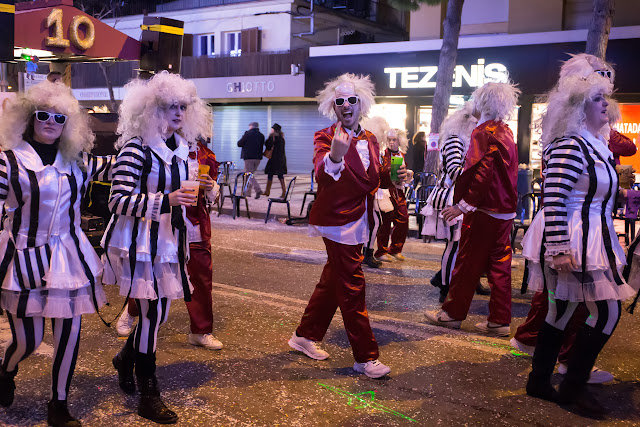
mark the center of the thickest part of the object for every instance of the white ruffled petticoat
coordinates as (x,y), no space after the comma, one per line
(434,225)
(64,290)
(165,269)
(599,282)
(634,272)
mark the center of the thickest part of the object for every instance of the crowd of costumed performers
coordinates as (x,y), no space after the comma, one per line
(157,244)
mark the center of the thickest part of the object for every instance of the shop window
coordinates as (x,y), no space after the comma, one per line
(207,45)
(233,43)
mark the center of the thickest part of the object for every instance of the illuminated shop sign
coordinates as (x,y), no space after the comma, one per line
(425,76)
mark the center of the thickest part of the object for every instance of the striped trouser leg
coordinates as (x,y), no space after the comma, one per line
(560,312)
(66,340)
(449,257)
(26,336)
(373,228)
(153,313)
(604,315)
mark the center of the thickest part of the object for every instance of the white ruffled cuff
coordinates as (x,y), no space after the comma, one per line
(553,249)
(466,207)
(333,169)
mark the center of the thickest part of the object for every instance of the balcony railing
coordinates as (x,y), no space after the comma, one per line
(192,67)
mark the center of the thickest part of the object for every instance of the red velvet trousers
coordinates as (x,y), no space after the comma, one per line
(527,333)
(200,308)
(341,285)
(484,246)
(400,219)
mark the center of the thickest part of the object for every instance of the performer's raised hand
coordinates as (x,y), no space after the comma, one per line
(340,143)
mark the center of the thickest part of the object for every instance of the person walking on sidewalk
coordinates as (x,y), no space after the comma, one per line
(277,164)
(395,223)
(348,172)
(486,194)
(146,242)
(48,268)
(252,143)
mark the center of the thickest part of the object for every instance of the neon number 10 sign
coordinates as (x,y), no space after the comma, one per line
(54,20)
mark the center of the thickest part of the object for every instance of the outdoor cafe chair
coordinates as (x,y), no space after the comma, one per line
(238,194)
(225,170)
(526,210)
(311,192)
(286,199)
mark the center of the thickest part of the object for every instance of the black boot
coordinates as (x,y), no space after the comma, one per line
(370,260)
(58,414)
(482,290)
(436,280)
(573,389)
(124,363)
(151,406)
(544,361)
(7,386)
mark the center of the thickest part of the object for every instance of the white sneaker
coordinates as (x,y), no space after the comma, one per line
(124,326)
(385,258)
(597,376)
(494,329)
(308,347)
(441,318)
(372,368)
(207,341)
(528,349)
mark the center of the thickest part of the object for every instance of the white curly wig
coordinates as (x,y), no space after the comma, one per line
(403,142)
(365,89)
(496,100)
(565,113)
(141,109)
(583,65)
(378,126)
(17,119)
(461,123)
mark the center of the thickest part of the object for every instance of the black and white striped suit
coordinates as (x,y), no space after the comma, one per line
(145,241)
(452,154)
(580,188)
(48,267)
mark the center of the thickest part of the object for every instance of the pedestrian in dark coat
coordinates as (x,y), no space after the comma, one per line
(277,164)
(252,143)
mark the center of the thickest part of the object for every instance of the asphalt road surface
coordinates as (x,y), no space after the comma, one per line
(263,277)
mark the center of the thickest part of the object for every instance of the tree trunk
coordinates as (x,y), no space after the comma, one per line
(598,36)
(444,79)
(114,107)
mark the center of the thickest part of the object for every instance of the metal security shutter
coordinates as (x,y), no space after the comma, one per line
(230,122)
(299,123)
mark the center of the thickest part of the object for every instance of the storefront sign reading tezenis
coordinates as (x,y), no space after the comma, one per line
(425,76)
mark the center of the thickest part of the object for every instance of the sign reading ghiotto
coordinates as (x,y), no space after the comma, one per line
(258,87)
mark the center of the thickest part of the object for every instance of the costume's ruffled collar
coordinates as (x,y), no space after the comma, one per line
(32,161)
(598,143)
(159,146)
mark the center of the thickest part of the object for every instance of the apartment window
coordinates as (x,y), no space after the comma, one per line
(234,43)
(207,45)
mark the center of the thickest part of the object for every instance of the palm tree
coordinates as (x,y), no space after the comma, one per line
(446,66)
(598,36)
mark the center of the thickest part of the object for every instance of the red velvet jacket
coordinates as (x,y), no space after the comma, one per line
(397,195)
(199,215)
(621,145)
(491,170)
(343,201)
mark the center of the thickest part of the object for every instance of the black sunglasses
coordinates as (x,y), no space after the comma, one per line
(605,73)
(352,100)
(43,116)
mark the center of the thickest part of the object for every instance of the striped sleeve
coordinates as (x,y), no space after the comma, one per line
(563,167)
(452,157)
(4,179)
(124,199)
(99,168)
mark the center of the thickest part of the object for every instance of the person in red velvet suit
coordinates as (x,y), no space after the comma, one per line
(200,265)
(347,167)
(399,217)
(486,194)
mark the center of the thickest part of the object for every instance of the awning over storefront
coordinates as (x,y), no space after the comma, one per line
(70,34)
